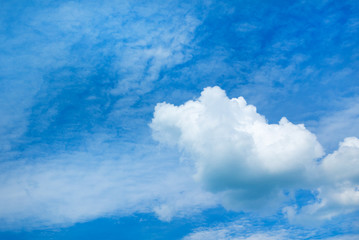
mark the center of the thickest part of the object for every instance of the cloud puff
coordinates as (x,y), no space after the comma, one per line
(343,164)
(338,192)
(250,163)
(337,125)
(235,150)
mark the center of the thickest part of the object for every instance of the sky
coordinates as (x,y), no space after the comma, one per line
(179,120)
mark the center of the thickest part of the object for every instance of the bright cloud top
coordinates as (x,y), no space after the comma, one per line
(242,157)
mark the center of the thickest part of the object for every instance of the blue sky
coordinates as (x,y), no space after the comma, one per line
(179,120)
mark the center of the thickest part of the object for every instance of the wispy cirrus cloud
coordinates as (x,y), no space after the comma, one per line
(73,72)
(243,229)
(61,190)
(65,49)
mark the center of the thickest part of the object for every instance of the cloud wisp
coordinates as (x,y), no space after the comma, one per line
(62,190)
(253,165)
(245,230)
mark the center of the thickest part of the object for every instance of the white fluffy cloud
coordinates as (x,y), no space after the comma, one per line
(338,191)
(252,164)
(237,153)
(343,164)
(335,126)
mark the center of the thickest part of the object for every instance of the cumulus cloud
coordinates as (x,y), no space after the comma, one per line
(338,193)
(334,127)
(237,153)
(252,164)
(343,164)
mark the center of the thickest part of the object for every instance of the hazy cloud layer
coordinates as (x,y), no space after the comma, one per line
(63,190)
